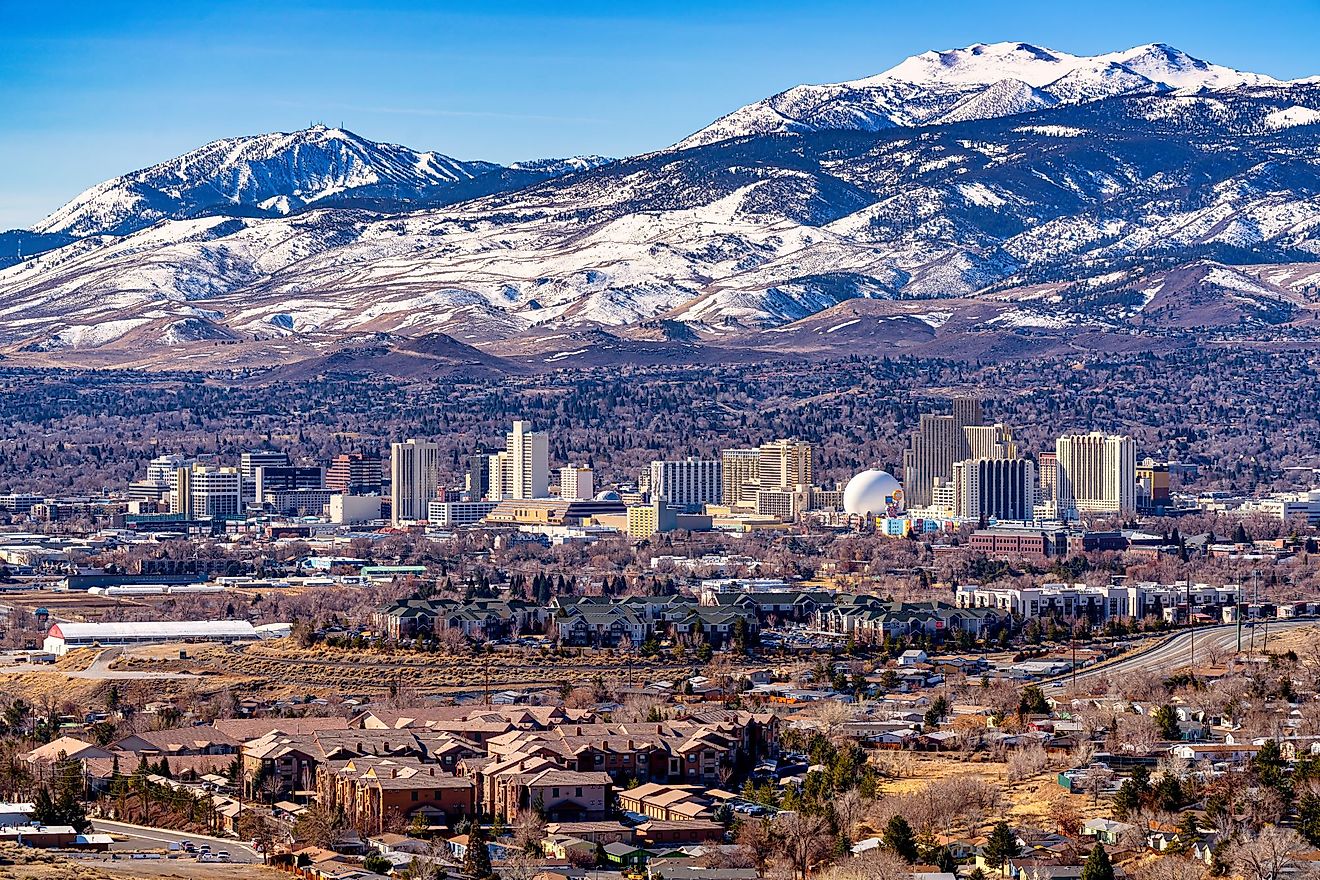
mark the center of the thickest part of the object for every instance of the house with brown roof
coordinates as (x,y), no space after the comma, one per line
(657,832)
(377,792)
(197,740)
(41,759)
(667,803)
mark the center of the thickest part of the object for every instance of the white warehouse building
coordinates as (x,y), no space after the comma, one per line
(64,637)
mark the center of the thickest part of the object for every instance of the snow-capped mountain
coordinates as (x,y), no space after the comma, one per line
(281,173)
(978,82)
(262,174)
(1164,208)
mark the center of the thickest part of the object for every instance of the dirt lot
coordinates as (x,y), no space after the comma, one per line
(21,863)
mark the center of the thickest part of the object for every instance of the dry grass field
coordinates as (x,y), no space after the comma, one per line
(1030,802)
(1303,640)
(280,667)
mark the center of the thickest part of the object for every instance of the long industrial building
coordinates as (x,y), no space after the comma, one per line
(64,637)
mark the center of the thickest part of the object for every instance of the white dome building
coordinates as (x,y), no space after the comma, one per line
(873,492)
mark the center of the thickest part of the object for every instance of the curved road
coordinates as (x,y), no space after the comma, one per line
(142,838)
(100,670)
(1175,652)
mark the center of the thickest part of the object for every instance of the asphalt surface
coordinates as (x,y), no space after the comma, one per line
(160,838)
(1176,652)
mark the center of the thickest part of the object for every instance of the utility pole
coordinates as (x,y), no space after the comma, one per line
(1074,660)
(1238,609)
(1191,626)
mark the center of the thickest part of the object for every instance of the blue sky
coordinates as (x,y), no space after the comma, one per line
(91,90)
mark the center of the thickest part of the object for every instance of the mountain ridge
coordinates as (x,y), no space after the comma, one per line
(1019,196)
(924,88)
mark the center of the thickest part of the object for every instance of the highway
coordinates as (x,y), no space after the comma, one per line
(1172,653)
(140,838)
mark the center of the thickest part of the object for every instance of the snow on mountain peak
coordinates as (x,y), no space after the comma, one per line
(276,172)
(979,64)
(974,83)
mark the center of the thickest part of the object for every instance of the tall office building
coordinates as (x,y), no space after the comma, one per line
(162,469)
(938,442)
(999,488)
(740,477)
(286,478)
(414,477)
(991,441)
(1097,473)
(248,463)
(354,473)
(181,497)
(785,464)
(522,469)
(478,476)
(1152,486)
(576,483)
(686,484)
(201,491)
(1047,465)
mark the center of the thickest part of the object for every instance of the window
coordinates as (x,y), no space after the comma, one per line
(577,792)
(414,794)
(554,792)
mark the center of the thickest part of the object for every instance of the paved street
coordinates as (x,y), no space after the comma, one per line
(161,838)
(1176,652)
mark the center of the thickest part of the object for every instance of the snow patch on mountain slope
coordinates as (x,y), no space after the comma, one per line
(1291,116)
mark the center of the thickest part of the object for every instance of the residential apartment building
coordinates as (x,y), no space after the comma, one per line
(376,793)
(522,470)
(1098,603)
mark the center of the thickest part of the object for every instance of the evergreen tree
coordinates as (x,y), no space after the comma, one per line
(946,862)
(70,811)
(1308,817)
(476,861)
(1001,846)
(898,837)
(1098,866)
(43,808)
(1166,721)
(1168,793)
(1127,800)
